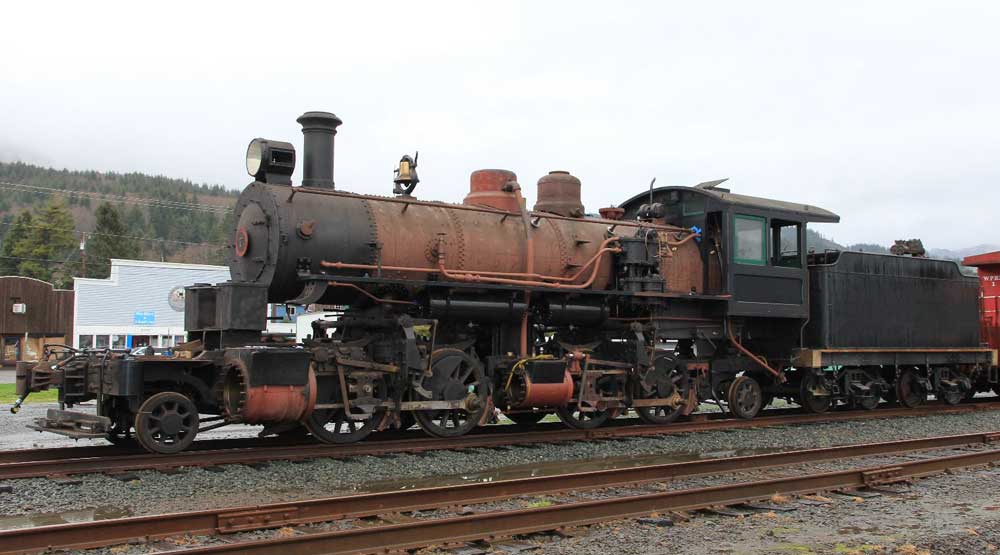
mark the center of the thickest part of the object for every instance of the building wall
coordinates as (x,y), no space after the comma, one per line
(134,303)
(47,318)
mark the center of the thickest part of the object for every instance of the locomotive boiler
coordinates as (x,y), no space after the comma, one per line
(449,314)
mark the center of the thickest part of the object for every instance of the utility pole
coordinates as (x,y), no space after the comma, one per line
(83,252)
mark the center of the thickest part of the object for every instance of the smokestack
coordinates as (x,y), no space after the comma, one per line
(318,131)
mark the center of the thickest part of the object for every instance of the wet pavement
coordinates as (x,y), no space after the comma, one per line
(6,375)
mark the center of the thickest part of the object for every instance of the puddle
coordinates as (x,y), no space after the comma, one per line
(46,519)
(552,468)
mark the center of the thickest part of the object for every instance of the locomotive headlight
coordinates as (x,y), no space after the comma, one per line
(271,161)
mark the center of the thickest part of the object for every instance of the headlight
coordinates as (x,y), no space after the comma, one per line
(271,161)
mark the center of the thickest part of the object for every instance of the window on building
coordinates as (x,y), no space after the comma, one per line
(102,341)
(178,339)
(166,341)
(785,241)
(86,341)
(751,245)
(117,341)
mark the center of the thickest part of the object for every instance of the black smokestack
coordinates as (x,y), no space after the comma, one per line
(318,131)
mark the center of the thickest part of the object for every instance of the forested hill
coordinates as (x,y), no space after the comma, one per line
(162,218)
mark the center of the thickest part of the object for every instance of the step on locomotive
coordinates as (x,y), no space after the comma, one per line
(446,314)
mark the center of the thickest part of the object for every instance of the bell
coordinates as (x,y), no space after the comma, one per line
(406,175)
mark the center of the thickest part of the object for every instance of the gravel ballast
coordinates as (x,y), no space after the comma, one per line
(237,485)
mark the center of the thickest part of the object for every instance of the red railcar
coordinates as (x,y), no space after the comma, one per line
(989,280)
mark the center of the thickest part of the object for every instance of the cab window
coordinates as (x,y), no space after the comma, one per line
(751,244)
(786,240)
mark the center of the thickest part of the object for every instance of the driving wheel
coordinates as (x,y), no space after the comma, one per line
(365,390)
(456,377)
(664,381)
(166,423)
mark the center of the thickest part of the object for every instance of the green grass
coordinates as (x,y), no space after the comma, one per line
(7,395)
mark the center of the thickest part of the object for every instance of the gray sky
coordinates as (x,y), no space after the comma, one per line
(884,112)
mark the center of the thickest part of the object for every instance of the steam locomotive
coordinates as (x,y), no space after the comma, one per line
(450,313)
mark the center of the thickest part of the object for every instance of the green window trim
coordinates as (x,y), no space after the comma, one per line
(762,261)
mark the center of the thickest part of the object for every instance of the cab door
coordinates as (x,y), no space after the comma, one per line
(768,273)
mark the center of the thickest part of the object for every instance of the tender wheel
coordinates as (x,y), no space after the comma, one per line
(526,418)
(572,416)
(456,376)
(810,397)
(166,423)
(910,392)
(870,401)
(335,425)
(745,398)
(944,390)
(664,381)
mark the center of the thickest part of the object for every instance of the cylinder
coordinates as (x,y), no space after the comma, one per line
(486,188)
(267,404)
(559,193)
(318,132)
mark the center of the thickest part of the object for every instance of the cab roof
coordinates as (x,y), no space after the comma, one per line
(804,212)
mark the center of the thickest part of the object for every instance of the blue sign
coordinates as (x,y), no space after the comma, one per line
(144,318)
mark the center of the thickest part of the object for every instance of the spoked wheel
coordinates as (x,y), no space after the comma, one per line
(166,423)
(666,382)
(572,416)
(455,376)
(810,396)
(526,418)
(365,390)
(745,397)
(951,395)
(910,392)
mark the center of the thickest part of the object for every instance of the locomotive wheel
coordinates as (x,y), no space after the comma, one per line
(121,432)
(869,402)
(745,398)
(669,383)
(951,396)
(809,400)
(166,423)
(334,425)
(573,417)
(455,376)
(909,391)
(526,418)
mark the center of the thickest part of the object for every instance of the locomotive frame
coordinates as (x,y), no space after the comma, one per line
(453,312)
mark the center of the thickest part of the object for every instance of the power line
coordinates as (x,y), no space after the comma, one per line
(149,202)
(90,233)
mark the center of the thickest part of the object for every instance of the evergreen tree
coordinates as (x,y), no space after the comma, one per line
(107,242)
(45,252)
(16,233)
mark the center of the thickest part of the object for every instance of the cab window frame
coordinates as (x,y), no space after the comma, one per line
(760,221)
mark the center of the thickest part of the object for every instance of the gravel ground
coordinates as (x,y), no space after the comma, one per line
(236,485)
(962,505)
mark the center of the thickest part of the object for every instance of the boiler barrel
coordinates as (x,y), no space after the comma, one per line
(279,229)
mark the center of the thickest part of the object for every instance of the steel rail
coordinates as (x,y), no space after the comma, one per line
(207,522)
(413,535)
(213,457)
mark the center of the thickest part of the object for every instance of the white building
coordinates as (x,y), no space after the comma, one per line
(140,303)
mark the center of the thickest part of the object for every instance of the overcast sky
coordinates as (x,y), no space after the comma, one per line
(887,113)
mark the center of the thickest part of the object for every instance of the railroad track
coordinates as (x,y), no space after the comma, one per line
(502,523)
(65,461)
